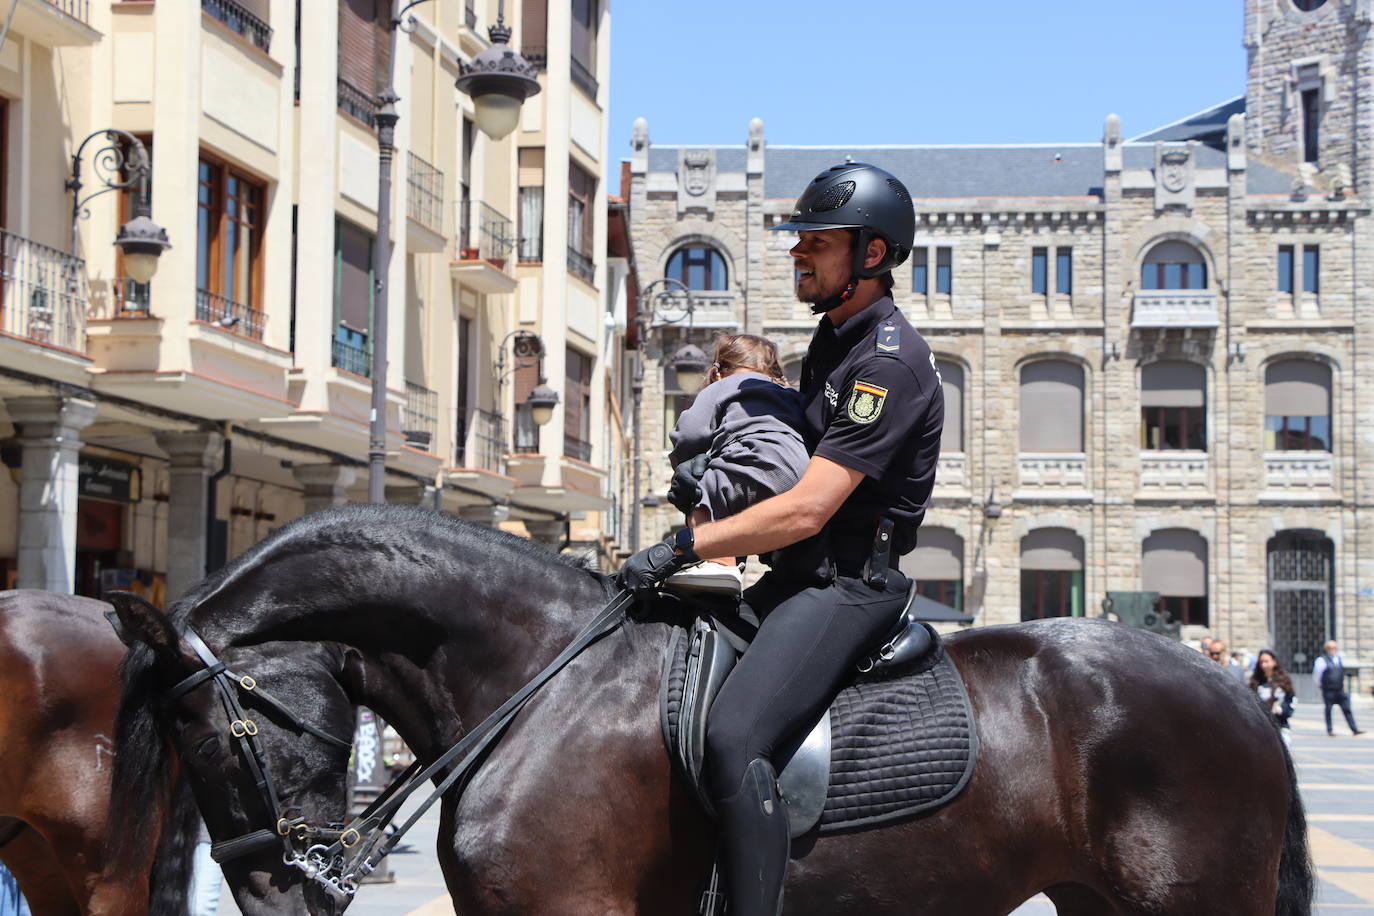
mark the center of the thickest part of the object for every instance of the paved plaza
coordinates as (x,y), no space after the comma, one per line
(1336,776)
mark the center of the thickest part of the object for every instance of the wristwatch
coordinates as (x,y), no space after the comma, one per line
(685,542)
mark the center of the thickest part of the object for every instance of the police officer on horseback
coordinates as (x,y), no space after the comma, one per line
(874,411)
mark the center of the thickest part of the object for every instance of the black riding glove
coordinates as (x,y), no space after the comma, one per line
(646,570)
(685,491)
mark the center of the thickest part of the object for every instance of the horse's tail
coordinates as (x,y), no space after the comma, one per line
(169,889)
(1296,884)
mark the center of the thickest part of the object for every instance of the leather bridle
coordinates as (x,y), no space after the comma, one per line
(296,835)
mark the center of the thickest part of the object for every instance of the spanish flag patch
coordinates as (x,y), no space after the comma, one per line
(866,402)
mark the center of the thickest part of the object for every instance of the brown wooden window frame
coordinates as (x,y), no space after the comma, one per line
(220,221)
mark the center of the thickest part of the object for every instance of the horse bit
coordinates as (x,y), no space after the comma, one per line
(308,856)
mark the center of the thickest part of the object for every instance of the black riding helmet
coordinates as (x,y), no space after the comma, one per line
(856,195)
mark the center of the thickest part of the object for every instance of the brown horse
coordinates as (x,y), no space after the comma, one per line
(1118,772)
(59,660)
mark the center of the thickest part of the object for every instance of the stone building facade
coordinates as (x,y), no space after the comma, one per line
(1155,351)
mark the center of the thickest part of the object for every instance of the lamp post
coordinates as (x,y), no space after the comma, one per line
(505,74)
(689,361)
(527,349)
(120,165)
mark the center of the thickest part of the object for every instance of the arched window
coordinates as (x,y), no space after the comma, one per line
(1051,574)
(1173,265)
(1174,563)
(699,267)
(937,566)
(1173,407)
(1297,406)
(952,375)
(1052,406)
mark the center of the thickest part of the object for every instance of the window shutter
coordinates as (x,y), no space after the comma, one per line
(1175,564)
(1297,388)
(364,43)
(1052,407)
(1172,384)
(534,19)
(952,440)
(532,167)
(1052,548)
(355,277)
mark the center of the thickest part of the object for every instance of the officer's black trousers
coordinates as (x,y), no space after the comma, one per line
(807,646)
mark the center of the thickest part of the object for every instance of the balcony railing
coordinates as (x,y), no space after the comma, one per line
(131,300)
(481,440)
(1173,470)
(42,293)
(353,101)
(420,416)
(526,431)
(536,55)
(1298,470)
(349,358)
(710,309)
(573,447)
(425,200)
(77,9)
(581,264)
(1066,470)
(240,20)
(493,231)
(583,78)
(1175,308)
(241,319)
(470,15)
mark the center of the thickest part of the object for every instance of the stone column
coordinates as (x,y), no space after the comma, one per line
(411,495)
(48,428)
(491,515)
(548,533)
(326,485)
(193,457)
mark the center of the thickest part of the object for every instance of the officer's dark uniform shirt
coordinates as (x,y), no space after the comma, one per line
(874,403)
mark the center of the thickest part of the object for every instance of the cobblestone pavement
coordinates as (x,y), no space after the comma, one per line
(1336,776)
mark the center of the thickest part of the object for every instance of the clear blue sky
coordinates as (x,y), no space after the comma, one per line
(916,71)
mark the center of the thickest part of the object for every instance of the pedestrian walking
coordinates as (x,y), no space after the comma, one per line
(1274,688)
(1233,666)
(1329,674)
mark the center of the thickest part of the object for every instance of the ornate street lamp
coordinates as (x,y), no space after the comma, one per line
(499,80)
(121,165)
(527,349)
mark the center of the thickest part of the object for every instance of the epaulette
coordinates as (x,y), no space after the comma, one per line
(889,340)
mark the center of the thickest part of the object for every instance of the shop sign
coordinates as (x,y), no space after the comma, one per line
(105,479)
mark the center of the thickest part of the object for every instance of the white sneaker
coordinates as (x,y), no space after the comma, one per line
(716,578)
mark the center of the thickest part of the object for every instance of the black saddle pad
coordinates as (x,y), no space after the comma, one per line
(900,745)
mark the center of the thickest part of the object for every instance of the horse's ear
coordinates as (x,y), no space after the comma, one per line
(138,621)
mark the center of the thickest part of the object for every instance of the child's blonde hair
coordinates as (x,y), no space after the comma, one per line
(745,351)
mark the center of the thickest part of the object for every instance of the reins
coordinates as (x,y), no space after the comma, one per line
(346,855)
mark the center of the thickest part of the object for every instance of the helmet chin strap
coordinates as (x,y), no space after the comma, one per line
(856,272)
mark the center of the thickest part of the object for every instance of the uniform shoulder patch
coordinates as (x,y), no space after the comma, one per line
(866,402)
(889,341)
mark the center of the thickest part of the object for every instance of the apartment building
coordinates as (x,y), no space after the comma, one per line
(1154,350)
(152,431)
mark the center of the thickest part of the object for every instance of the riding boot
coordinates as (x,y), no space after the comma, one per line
(755,842)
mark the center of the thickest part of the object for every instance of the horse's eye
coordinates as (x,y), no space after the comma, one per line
(209,749)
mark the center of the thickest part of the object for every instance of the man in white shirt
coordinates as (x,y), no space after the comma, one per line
(1328,672)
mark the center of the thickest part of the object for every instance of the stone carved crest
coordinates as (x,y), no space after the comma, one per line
(696,177)
(1173,170)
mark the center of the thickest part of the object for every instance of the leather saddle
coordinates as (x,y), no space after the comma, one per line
(712,652)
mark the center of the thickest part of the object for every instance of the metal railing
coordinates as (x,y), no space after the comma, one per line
(583,79)
(581,264)
(526,431)
(420,416)
(130,299)
(79,10)
(42,293)
(243,320)
(361,105)
(239,19)
(349,358)
(574,447)
(480,440)
(492,229)
(470,15)
(536,55)
(425,200)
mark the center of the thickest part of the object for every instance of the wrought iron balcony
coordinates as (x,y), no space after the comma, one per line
(79,10)
(1175,308)
(349,358)
(236,317)
(536,55)
(573,447)
(425,197)
(420,416)
(480,437)
(43,294)
(361,105)
(239,19)
(470,15)
(130,299)
(710,309)
(492,230)
(581,264)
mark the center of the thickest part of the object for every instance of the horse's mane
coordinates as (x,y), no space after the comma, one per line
(141,779)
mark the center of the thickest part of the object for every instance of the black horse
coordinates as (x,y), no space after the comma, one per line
(1118,772)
